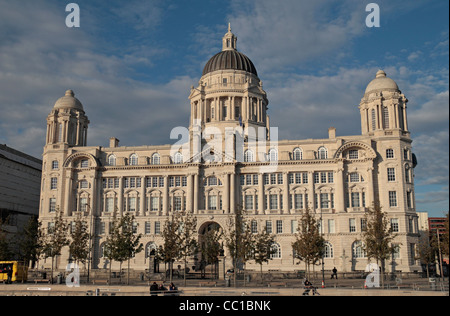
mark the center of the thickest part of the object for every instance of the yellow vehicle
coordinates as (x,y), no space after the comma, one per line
(19,272)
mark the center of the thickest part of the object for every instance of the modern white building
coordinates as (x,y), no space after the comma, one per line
(218,170)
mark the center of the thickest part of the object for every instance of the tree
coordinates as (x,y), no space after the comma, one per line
(445,239)
(263,248)
(29,244)
(188,243)
(378,236)
(211,247)
(123,243)
(5,252)
(239,241)
(171,249)
(56,238)
(309,244)
(426,252)
(79,246)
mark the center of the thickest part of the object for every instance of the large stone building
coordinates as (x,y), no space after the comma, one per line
(338,178)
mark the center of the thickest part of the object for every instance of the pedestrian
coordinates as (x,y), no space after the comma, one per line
(334,273)
(154,289)
(9,273)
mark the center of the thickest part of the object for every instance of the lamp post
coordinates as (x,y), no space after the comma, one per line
(321,233)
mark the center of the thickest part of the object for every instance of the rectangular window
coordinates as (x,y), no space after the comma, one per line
(255,179)
(363,224)
(273,200)
(254,227)
(177,203)
(109,207)
(157,228)
(389,153)
(391,174)
(83,204)
(355,199)
(52,205)
(394,225)
(331,226)
(54,184)
(323,177)
(147,228)
(305,177)
(132,204)
(316,177)
(324,202)
(330,177)
(354,177)
(298,201)
(352,225)
(273,178)
(269,227)
(279,226)
(212,202)
(154,202)
(294,226)
(352,154)
(392,198)
(249,202)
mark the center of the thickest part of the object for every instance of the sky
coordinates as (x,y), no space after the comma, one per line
(132,63)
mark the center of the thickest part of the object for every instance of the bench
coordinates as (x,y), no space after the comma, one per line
(36,281)
(211,283)
(104,282)
(271,284)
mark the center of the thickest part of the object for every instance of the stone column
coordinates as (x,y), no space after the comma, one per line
(226,201)
(165,210)
(233,193)
(339,202)
(195,191)
(285,193)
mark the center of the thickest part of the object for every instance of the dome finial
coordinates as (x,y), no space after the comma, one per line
(229,40)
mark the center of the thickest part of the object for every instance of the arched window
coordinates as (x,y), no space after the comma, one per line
(328,250)
(297,154)
(111,160)
(358,250)
(178,158)
(133,160)
(156,159)
(248,156)
(276,251)
(322,153)
(273,155)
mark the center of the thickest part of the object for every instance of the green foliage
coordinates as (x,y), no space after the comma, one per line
(309,244)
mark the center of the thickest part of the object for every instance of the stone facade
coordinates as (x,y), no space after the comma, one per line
(273,181)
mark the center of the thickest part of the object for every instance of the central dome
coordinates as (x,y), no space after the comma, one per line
(230,59)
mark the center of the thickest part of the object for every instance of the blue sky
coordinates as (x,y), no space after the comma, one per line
(136,60)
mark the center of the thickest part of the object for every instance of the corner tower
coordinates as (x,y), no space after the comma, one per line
(383,108)
(67,123)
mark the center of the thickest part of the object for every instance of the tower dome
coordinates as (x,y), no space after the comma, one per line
(381,83)
(229,58)
(69,102)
